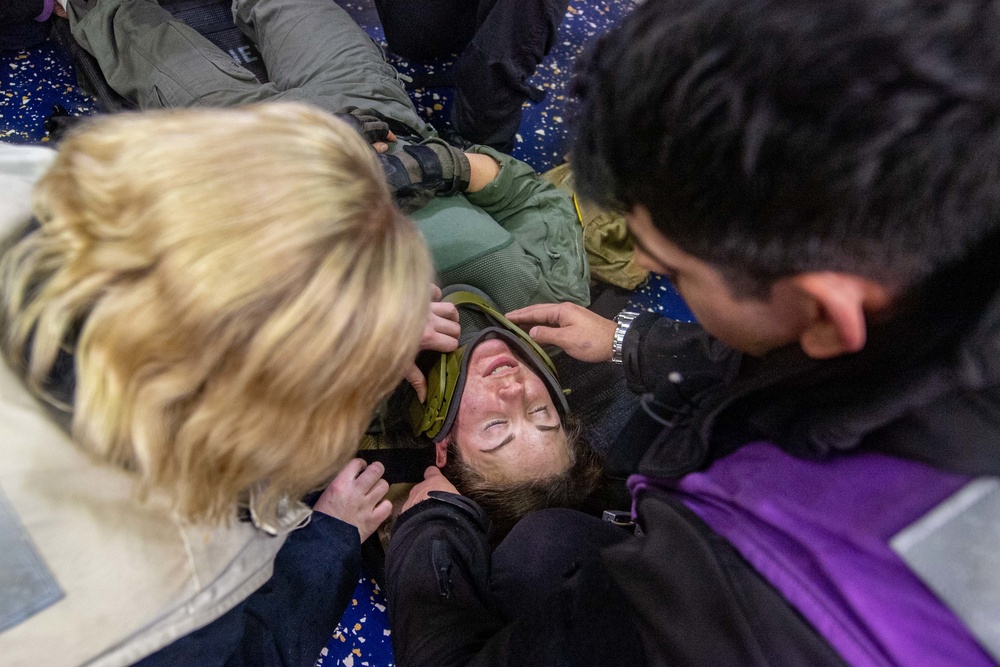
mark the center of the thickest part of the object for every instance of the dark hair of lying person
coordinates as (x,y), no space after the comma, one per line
(882,166)
(507,502)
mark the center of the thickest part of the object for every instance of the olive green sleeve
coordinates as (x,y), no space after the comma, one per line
(543,221)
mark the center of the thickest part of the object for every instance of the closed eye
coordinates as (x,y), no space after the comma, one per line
(544,410)
(495,422)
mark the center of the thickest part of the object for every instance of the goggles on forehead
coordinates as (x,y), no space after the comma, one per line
(436,416)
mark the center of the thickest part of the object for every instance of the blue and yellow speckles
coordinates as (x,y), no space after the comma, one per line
(362,638)
(541,141)
(584,20)
(31,83)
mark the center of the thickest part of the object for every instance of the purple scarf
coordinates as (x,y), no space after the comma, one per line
(818,531)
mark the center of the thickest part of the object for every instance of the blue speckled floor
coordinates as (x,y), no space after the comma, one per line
(33,81)
(363,638)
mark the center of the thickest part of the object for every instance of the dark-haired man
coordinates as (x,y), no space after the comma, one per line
(815,471)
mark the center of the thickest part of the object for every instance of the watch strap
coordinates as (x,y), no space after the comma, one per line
(623,321)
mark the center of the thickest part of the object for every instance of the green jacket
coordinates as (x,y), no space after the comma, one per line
(518,239)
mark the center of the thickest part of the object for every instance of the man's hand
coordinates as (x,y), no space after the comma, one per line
(433,481)
(440,334)
(580,333)
(357,496)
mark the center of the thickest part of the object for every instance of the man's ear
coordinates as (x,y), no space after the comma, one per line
(441,452)
(838,324)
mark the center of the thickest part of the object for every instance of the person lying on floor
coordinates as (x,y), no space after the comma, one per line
(490,404)
(204,347)
(495,225)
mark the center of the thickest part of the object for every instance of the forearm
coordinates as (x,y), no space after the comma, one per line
(484,170)
(315,574)
(516,187)
(288,620)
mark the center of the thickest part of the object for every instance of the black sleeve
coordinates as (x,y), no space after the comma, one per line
(698,602)
(289,619)
(437,578)
(678,367)
(655,347)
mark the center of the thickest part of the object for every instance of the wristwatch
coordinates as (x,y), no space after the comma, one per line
(623,321)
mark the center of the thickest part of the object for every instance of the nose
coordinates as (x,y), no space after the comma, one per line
(511,390)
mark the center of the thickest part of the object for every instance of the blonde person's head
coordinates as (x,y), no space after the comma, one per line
(238,292)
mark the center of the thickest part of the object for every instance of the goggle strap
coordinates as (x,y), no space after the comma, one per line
(470,299)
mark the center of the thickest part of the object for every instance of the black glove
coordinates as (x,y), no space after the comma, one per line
(370,124)
(419,171)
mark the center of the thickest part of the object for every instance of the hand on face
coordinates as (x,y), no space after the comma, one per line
(434,480)
(357,496)
(440,334)
(583,335)
(507,420)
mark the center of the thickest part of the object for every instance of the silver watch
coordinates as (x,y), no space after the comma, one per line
(622,322)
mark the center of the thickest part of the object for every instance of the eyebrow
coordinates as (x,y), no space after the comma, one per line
(503,442)
(510,438)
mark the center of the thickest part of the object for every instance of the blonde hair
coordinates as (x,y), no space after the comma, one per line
(244,290)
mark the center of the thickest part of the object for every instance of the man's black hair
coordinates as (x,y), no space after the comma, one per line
(772,137)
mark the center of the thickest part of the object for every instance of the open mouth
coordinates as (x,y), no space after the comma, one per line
(502,365)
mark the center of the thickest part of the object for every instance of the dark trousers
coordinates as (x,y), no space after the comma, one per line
(501,43)
(18,27)
(542,597)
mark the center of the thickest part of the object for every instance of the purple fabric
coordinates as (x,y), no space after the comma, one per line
(819,532)
(46,11)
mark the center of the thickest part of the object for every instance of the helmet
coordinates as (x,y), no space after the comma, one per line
(436,416)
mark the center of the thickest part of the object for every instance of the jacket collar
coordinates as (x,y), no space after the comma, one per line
(923,387)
